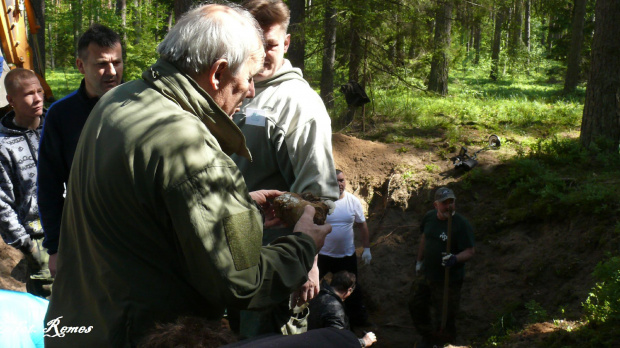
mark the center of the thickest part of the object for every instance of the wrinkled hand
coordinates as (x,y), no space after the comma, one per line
(264,199)
(448,260)
(309,290)
(52,264)
(369,338)
(307,226)
(418,267)
(366,256)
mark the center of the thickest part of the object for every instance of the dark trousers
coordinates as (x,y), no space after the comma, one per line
(426,305)
(354,305)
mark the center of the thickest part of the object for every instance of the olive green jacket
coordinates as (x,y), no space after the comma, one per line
(158,222)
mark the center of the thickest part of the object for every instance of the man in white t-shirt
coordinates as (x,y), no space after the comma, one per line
(338,252)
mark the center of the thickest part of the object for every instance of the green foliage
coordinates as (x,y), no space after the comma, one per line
(431,168)
(557,178)
(536,313)
(603,303)
(143,29)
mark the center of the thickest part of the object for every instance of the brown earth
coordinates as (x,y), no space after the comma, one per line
(549,262)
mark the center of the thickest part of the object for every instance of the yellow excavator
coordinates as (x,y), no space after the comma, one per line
(16,51)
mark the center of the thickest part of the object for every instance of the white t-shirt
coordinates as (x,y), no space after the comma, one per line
(339,243)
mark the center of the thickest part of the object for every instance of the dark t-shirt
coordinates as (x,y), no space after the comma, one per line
(435,242)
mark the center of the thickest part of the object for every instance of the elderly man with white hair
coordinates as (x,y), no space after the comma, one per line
(158,221)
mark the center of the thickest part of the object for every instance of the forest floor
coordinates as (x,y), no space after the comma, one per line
(521,271)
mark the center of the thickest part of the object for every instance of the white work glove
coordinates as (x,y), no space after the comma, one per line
(418,267)
(369,338)
(366,257)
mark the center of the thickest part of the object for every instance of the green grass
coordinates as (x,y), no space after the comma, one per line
(63,81)
(524,106)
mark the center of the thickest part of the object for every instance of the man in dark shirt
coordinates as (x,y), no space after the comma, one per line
(440,227)
(100,60)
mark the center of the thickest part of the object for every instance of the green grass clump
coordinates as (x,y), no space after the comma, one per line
(603,303)
(63,81)
(523,106)
(557,178)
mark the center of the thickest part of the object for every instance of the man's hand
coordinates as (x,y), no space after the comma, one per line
(366,256)
(448,260)
(310,289)
(369,338)
(306,225)
(264,199)
(52,264)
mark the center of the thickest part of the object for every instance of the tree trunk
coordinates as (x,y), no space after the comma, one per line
(51,46)
(550,33)
(527,25)
(180,7)
(137,23)
(574,55)
(438,78)
(477,38)
(601,112)
(77,24)
(121,10)
(497,40)
(169,21)
(297,49)
(329,54)
(355,55)
(516,25)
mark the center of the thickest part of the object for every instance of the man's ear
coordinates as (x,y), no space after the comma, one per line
(9,99)
(216,73)
(80,65)
(287,42)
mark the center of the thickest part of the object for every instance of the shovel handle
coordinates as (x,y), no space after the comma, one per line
(446,279)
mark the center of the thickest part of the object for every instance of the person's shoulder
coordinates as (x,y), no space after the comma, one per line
(461,218)
(351,197)
(62,105)
(429,214)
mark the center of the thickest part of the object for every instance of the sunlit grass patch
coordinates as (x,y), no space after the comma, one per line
(63,81)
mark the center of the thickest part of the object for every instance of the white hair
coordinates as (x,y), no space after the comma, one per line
(211,32)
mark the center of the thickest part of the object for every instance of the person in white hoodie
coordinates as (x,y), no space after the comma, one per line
(288,132)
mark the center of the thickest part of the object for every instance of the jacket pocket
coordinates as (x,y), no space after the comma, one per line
(243,232)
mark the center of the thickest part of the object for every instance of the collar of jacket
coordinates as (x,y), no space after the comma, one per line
(183,90)
(327,289)
(82,93)
(285,73)
(8,127)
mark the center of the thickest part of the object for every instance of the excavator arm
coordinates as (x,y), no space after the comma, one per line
(14,37)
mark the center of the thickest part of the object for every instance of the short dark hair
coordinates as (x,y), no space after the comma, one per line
(343,281)
(338,172)
(269,12)
(98,34)
(14,78)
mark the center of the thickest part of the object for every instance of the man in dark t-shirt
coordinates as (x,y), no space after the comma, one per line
(434,261)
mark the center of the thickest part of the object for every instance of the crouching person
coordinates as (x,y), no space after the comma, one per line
(327,310)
